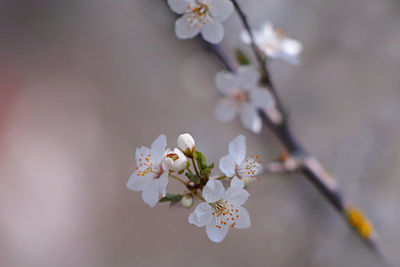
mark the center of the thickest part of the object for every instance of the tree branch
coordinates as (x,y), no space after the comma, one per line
(312,169)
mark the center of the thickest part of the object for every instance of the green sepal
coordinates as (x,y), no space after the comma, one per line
(193,177)
(207,171)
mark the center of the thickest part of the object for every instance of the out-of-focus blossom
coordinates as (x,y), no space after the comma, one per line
(274,43)
(236,164)
(222,209)
(150,176)
(242,95)
(201,16)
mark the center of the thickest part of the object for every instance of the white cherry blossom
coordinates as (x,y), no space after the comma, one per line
(242,95)
(236,164)
(275,43)
(174,160)
(150,176)
(201,16)
(222,209)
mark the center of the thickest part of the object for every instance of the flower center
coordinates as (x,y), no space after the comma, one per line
(173,156)
(250,169)
(226,213)
(199,15)
(200,9)
(146,165)
(240,96)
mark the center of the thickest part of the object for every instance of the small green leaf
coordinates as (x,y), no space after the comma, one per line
(201,160)
(242,58)
(173,198)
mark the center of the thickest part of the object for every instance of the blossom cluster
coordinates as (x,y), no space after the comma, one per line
(219,209)
(242,91)
(244,94)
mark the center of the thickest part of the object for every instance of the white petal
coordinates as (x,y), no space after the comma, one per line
(267,30)
(221,9)
(261,98)
(291,47)
(236,195)
(236,182)
(180,6)
(250,118)
(213,191)
(248,77)
(150,193)
(225,81)
(201,216)
(216,234)
(245,37)
(213,31)
(158,148)
(244,219)
(227,165)
(139,151)
(183,29)
(237,149)
(226,109)
(162,183)
(138,183)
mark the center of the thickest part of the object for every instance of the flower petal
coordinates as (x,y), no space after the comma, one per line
(261,98)
(226,109)
(158,148)
(139,151)
(291,47)
(213,191)
(248,77)
(201,216)
(237,149)
(221,9)
(162,183)
(250,118)
(244,219)
(245,37)
(213,31)
(216,234)
(227,165)
(150,193)
(138,183)
(225,81)
(183,29)
(180,6)
(236,195)
(236,182)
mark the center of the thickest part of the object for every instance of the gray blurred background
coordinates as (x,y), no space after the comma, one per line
(83,83)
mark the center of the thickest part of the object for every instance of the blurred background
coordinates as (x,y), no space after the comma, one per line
(83,83)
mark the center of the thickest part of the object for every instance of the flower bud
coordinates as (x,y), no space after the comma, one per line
(187,201)
(174,160)
(186,144)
